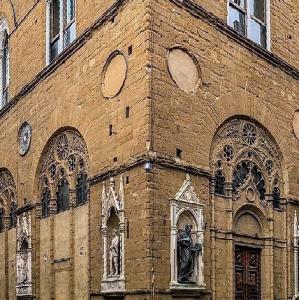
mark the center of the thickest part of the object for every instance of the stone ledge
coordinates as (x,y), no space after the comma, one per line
(188,291)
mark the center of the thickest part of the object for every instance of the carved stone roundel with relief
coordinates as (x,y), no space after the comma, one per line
(24,136)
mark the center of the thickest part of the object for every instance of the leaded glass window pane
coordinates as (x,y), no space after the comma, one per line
(237,19)
(63,196)
(257,32)
(219,183)
(46,203)
(12,215)
(82,189)
(248,17)
(257,9)
(55,20)
(240,3)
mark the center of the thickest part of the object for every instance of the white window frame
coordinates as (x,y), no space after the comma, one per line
(61,46)
(246,12)
(4,32)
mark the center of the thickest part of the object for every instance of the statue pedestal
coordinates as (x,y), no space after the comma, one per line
(188,290)
(113,285)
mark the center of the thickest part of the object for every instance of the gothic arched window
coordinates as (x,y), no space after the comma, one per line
(64,168)
(82,189)
(250,158)
(46,202)
(13,215)
(63,201)
(219,183)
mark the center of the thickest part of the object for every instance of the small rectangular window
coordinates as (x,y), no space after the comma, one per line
(248,17)
(62,32)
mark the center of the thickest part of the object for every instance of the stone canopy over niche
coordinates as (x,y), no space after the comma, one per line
(114,75)
(244,154)
(184,69)
(296,124)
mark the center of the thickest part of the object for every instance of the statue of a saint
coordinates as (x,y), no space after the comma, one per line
(22,268)
(114,250)
(187,253)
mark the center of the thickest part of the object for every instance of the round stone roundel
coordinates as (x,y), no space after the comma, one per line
(184,69)
(296,124)
(25,133)
(114,75)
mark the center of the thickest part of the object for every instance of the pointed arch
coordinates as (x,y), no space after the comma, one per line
(249,154)
(62,163)
(8,198)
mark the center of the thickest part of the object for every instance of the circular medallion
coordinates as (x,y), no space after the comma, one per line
(114,75)
(25,133)
(296,124)
(184,69)
(249,134)
(250,194)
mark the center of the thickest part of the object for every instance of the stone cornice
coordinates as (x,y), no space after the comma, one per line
(194,9)
(157,159)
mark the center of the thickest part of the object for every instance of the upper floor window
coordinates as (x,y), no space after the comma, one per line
(249,18)
(61,26)
(4,62)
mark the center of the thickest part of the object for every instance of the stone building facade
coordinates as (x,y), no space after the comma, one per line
(149,149)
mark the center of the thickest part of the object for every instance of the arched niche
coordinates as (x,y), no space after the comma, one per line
(63,163)
(245,151)
(8,199)
(187,223)
(113,236)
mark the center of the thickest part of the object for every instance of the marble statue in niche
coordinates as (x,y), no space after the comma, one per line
(24,255)
(187,254)
(114,250)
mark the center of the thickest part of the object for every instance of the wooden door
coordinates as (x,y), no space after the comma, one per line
(247,274)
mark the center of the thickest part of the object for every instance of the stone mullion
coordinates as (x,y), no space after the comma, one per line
(52,252)
(53,205)
(213,238)
(6,226)
(72,197)
(270,246)
(230,240)
(72,245)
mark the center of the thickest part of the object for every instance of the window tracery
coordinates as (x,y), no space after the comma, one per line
(8,199)
(63,170)
(246,151)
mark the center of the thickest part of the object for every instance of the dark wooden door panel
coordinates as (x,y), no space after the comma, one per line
(247,274)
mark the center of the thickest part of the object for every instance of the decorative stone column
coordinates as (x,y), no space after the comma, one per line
(186,205)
